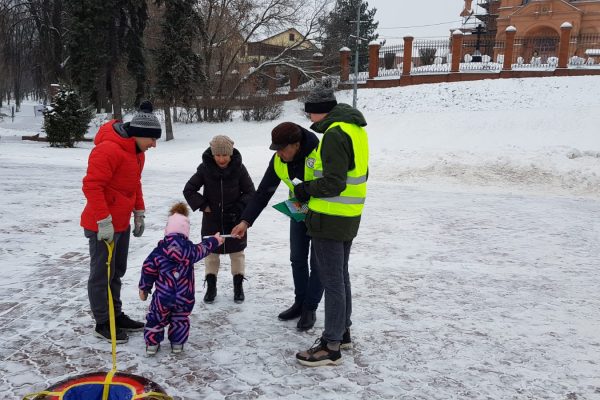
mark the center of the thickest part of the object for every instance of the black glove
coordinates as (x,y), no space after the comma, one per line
(301,193)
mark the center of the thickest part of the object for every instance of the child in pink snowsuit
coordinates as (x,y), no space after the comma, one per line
(170,269)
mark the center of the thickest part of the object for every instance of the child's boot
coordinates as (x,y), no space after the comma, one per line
(152,349)
(238,289)
(176,348)
(211,290)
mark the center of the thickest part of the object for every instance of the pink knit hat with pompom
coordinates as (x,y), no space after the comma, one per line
(178,223)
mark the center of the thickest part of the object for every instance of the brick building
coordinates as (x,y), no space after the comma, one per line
(538,24)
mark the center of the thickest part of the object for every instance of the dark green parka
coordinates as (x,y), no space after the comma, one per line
(338,158)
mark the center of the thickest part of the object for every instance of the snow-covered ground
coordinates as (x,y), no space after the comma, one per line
(475,272)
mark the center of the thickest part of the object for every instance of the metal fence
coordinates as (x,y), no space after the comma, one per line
(473,47)
(538,53)
(584,51)
(483,54)
(476,55)
(579,45)
(390,60)
(363,66)
(431,56)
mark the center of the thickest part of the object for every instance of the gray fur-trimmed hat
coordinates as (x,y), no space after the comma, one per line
(320,100)
(144,123)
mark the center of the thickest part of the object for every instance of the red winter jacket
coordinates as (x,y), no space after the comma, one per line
(112,185)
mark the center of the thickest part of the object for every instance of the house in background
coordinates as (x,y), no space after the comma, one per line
(257,52)
(273,45)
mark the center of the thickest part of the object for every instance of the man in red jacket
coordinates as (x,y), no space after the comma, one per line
(113,190)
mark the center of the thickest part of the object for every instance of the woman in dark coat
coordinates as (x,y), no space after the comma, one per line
(227,189)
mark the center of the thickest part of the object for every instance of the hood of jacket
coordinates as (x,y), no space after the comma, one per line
(340,113)
(216,171)
(108,133)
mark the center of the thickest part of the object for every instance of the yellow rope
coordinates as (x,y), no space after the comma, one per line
(155,395)
(32,396)
(113,336)
(113,330)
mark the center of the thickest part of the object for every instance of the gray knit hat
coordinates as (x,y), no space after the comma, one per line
(144,123)
(320,100)
(221,145)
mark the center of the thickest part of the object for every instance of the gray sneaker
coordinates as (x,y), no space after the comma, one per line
(176,348)
(152,349)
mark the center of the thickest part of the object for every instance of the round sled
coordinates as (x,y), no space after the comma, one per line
(91,386)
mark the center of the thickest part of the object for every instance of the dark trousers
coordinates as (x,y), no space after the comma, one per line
(98,279)
(332,263)
(307,286)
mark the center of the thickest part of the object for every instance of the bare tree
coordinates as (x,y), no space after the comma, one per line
(16,43)
(47,18)
(31,29)
(228,28)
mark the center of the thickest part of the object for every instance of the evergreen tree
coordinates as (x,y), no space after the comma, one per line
(339,30)
(137,12)
(178,67)
(104,38)
(87,46)
(66,120)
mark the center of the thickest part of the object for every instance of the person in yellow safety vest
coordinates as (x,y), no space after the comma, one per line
(336,198)
(295,152)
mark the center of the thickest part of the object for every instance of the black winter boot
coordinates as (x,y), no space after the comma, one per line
(127,324)
(238,289)
(211,290)
(103,332)
(293,312)
(307,320)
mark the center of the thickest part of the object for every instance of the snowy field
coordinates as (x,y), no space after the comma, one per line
(475,272)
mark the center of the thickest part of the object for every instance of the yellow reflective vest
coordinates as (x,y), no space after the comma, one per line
(281,169)
(351,201)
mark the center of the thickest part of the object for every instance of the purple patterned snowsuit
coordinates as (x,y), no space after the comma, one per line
(170,268)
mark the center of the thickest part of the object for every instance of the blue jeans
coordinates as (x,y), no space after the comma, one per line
(307,286)
(332,262)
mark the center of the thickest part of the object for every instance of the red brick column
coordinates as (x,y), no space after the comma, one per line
(53,90)
(457,42)
(272,80)
(511,32)
(374,59)
(317,60)
(294,79)
(344,64)
(563,49)
(407,62)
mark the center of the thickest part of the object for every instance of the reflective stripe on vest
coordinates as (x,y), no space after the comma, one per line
(281,169)
(351,201)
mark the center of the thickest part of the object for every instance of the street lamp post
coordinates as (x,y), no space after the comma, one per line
(355,85)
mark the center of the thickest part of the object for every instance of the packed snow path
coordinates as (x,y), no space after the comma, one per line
(457,294)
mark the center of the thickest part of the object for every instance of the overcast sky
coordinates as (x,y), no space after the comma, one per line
(402,14)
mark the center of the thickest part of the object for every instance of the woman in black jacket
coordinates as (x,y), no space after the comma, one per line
(227,189)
